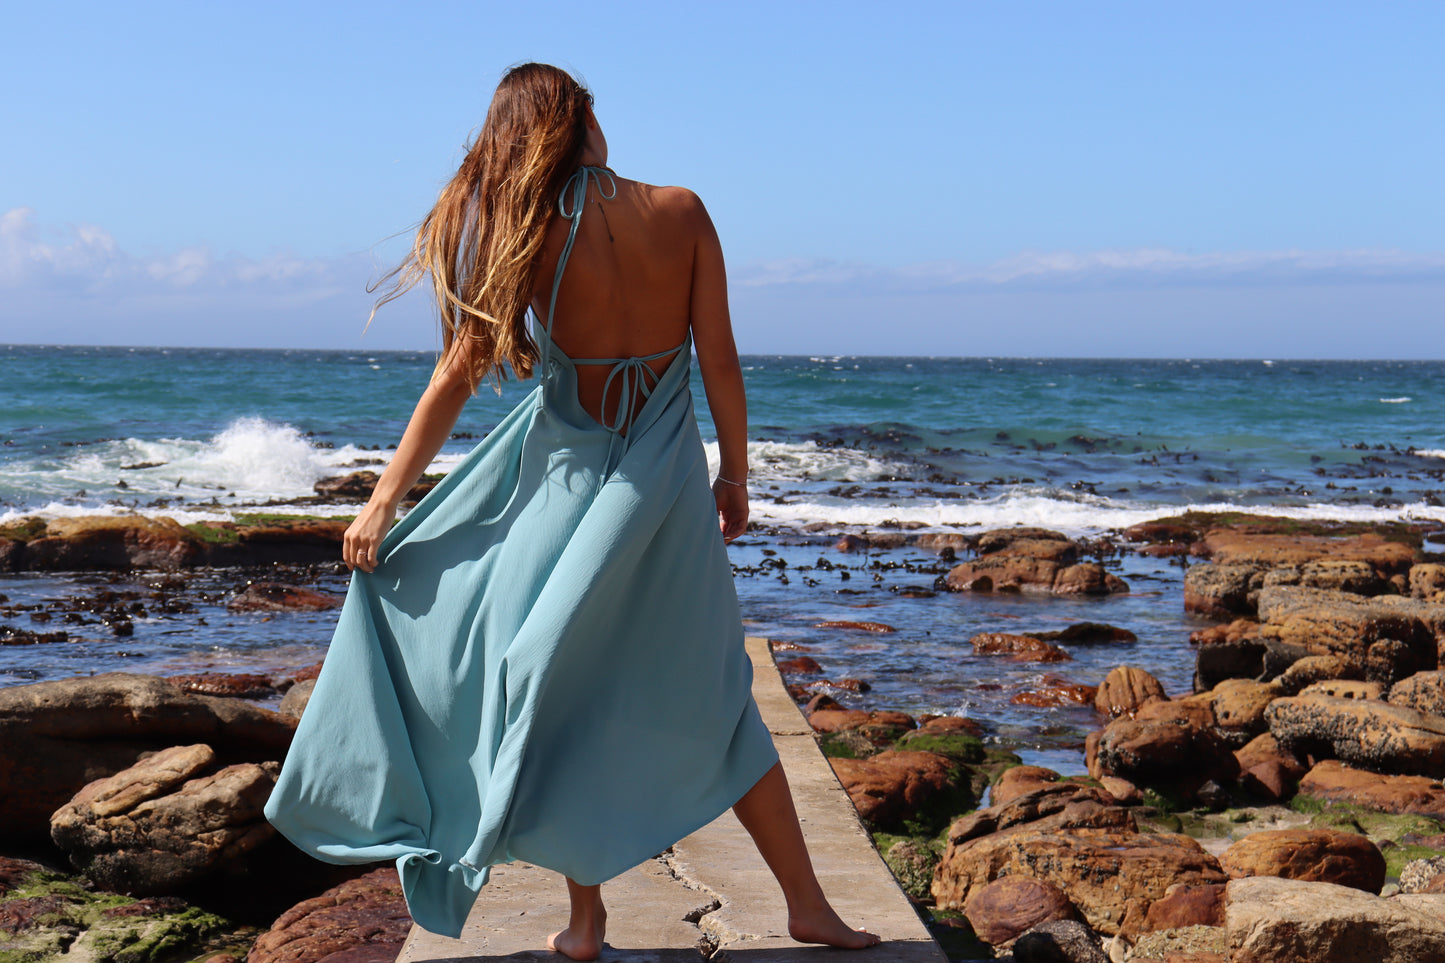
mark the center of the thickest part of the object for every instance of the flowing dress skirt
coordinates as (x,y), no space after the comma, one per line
(547,663)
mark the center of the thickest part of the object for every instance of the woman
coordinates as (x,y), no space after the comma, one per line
(543,660)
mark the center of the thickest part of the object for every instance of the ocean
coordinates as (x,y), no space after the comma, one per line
(838,444)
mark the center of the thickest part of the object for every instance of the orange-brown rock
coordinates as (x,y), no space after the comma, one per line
(1000,911)
(1218,591)
(111,542)
(1190,904)
(950,724)
(1309,621)
(366,913)
(1227,546)
(1238,706)
(1017,572)
(1101,871)
(1025,540)
(237,685)
(901,785)
(1368,733)
(1235,631)
(1019,780)
(1125,689)
(802,665)
(1088,578)
(1268,770)
(1168,745)
(1424,691)
(1321,855)
(837,720)
(55,737)
(1047,808)
(1025,648)
(1344,689)
(1334,781)
(1343,575)
(1054,691)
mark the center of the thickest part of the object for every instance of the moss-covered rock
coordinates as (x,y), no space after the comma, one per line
(959,746)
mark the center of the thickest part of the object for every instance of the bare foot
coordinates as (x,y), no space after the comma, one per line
(825,926)
(584,936)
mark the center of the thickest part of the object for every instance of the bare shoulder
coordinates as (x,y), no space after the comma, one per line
(674,202)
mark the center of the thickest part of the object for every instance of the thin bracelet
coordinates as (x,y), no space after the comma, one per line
(729,481)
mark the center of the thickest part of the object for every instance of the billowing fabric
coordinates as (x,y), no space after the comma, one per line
(547,663)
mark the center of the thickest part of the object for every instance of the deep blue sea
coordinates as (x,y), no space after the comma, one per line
(838,444)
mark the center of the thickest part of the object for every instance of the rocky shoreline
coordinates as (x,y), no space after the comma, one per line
(1287,808)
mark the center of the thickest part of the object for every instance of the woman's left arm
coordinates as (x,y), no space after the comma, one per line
(430,426)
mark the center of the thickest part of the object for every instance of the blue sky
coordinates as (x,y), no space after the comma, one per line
(1052,179)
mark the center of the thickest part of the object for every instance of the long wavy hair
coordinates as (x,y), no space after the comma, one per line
(481,242)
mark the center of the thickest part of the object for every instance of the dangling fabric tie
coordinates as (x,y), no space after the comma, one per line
(576,187)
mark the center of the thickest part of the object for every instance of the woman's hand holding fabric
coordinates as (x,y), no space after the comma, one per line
(361,544)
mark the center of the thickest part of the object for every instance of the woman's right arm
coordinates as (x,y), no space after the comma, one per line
(722,376)
(430,426)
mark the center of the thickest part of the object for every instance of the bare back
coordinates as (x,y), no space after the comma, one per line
(627,288)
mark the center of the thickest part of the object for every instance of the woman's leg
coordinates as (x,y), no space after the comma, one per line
(767,813)
(587,926)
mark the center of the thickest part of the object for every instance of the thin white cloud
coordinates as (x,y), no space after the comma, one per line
(1119,268)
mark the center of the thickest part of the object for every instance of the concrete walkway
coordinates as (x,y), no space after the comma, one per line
(710,896)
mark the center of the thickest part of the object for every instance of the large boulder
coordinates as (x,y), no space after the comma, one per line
(161,826)
(280,597)
(1427,581)
(1125,690)
(1272,550)
(1171,746)
(1053,806)
(1222,591)
(1024,648)
(1101,871)
(1274,920)
(1307,621)
(1367,733)
(1322,855)
(56,737)
(364,914)
(1030,560)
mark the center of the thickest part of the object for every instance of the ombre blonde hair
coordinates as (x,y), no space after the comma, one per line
(481,242)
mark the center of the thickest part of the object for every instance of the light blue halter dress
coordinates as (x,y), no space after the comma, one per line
(547,663)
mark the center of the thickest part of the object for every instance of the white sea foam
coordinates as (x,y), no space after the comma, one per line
(1395,401)
(1073,516)
(797,462)
(1430,452)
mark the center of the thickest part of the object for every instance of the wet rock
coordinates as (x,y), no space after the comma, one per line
(1025,648)
(1026,540)
(1423,691)
(950,724)
(1019,781)
(55,737)
(1125,689)
(1054,691)
(364,913)
(234,685)
(1274,920)
(1322,855)
(293,704)
(1222,591)
(159,827)
(1236,631)
(1100,870)
(1087,633)
(938,541)
(899,787)
(1371,734)
(837,720)
(1059,941)
(1002,910)
(876,627)
(1333,781)
(280,597)
(1423,875)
